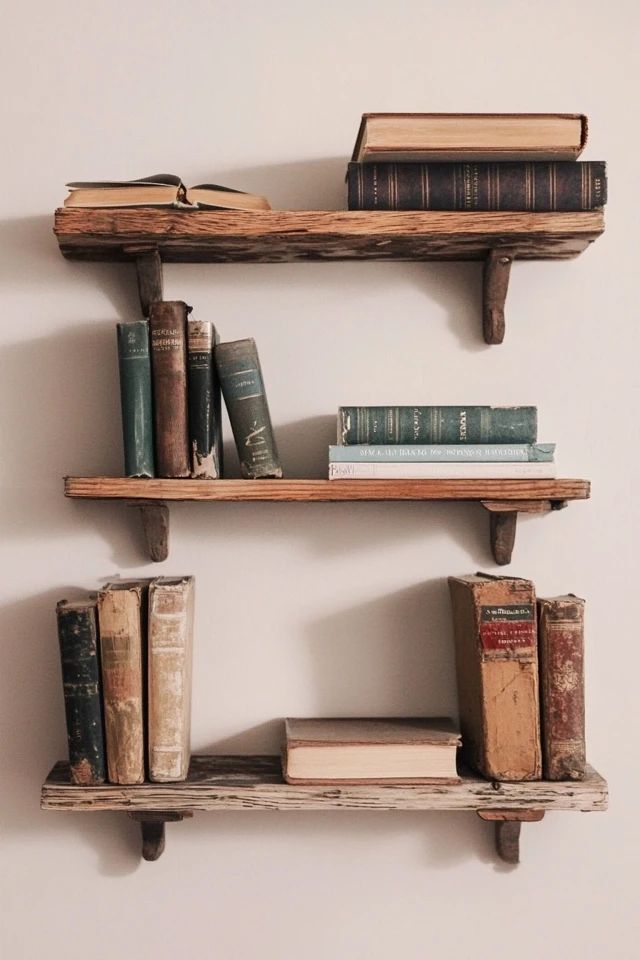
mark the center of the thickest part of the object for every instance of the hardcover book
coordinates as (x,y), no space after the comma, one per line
(78,639)
(494,621)
(168,330)
(160,190)
(434,425)
(561,638)
(377,750)
(398,470)
(205,435)
(443,453)
(135,397)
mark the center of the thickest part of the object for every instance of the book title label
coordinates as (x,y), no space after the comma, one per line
(505,626)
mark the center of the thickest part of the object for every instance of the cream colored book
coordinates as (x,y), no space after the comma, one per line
(161,190)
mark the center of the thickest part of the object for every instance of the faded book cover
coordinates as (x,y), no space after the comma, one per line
(494,621)
(205,440)
(121,615)
(561,639)
(168,336)
(171,602)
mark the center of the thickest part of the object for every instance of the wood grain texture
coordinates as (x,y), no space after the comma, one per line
(129,488)
(255,783)
(280,236)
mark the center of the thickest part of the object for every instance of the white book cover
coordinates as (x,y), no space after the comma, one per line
(441,471)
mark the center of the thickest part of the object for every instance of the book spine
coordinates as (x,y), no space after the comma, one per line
(120,621)
(381,470)
(425,425)
(78,639)
(561,638)
(497,672)
(244,395)
(170,658)
(168,333)
(444,453)
(135,397)
(204,401)
(561,186)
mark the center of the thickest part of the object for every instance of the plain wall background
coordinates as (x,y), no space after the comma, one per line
(319,609)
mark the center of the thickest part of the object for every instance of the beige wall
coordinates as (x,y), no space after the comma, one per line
(325,608)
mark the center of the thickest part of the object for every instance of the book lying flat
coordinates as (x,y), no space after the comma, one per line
(402,137)
(442,453)
(399,470)
(374,750)
(160,190)
(435,424)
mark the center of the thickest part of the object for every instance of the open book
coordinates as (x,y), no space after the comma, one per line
(160,190)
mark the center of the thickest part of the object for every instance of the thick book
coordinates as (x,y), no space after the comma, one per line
(170,652)
(161,190)
(121,617)
(561,640)
(418,137)
(134,362)
(375,750)
(397,470)
(246,402)
(562,187)
(78,640)
(443,453)
(168,333)
(453,425)
(494,620)
(205,435)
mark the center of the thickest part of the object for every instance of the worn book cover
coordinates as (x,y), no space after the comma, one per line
(435,424)
(135,397)
(205,435)
(171,602)
(121,617)
(494,620)
(561,638)
(168,331)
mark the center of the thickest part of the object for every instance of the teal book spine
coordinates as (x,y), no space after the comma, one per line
(435,425)
(444,453)
(205,440)
(135,397)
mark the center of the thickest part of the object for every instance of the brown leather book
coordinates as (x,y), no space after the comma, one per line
(494,622)
(168,341)
(561,638)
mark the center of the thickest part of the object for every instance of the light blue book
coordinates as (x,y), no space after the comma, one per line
(443,453)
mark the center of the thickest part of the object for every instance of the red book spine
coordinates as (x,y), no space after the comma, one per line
(168,339)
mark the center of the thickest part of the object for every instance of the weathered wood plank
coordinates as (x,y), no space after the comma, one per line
(255,783)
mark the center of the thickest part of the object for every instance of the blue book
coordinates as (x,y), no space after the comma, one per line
(443,453)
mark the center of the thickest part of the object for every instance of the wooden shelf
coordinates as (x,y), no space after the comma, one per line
(255,783)
(502,499)
(149,236)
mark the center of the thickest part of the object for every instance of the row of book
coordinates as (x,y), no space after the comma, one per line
(482,162)
(411,443)
(172,372)
(126,659)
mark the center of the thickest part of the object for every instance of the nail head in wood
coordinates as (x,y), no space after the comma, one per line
(497,269)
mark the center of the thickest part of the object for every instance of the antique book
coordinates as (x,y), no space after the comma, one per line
(539,187)
(160,190)
(398,470)
(168,332)
(135,398)
(494,620)
(455,425)
(246,401)
(374,750)
(443,453)
(561,641)
(121,617)
(402,137)
(170,657)
(205,435)
(78,639)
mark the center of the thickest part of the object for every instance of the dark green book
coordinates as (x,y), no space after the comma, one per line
(205,435)
(414,425)
(244,395)
(135,397)
(78,638)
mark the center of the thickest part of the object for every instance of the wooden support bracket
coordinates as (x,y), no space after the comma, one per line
(497,268)
(503,519)
(149,269)
(507,830)
(155,527)
(152,829)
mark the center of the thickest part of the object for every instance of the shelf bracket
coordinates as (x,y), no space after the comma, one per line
(152,829)
(507,830)
(149,270)
(503,520)
(154,515)
(495,283)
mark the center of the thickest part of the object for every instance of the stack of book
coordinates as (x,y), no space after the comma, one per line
(413,443)
(520,672)
(126,671)
(172,369)
(466,161)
